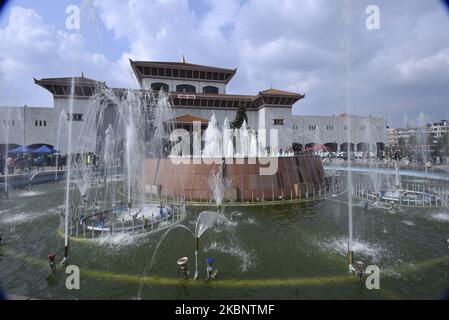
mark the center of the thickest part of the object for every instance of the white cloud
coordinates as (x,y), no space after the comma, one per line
(416,68)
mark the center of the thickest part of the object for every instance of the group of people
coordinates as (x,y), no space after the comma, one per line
(285,151)
(25,162)
(436,158)
(88,158)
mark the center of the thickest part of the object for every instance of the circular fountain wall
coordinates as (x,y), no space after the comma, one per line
(296,177)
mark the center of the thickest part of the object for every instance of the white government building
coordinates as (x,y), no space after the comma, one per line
(195,91)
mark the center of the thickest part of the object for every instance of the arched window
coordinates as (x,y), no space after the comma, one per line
(210,89)
(157,86)
(185,88)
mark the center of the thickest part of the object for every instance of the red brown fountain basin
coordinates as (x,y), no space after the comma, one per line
(296,177)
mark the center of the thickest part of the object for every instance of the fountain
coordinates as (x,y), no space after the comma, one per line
(228,145)
(205,221)
(111,196)
(61,122)
(292,177)
(212,140)
(218,184)
(243,139)
(348,60)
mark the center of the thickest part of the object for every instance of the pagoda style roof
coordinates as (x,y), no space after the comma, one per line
(188,119)
(85,88)
(232,101)
(180,71)
(275,97)
(277,92)
(61,87)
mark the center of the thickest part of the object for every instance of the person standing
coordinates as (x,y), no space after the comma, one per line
(10,165)
(2,164)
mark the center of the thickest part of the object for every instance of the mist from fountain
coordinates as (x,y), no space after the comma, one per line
(422,139)
(6,134)
(61,122)
(348,63)
(212,140)
(68,175)
(129,127)
(243,140)
(378,179)
(109,162)
(397,176)
(253,147)
(228,145)
(205,221)
(217,185)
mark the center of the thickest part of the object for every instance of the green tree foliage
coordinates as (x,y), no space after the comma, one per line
(239,117)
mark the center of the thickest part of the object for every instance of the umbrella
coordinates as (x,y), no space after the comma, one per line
(43,149)
(19,149)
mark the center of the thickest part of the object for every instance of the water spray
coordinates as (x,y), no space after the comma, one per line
(197,245)
(350,259)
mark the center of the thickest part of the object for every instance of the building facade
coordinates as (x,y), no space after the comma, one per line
(196,91)
(432,132)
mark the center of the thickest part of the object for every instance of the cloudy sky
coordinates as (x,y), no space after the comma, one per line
(398,71)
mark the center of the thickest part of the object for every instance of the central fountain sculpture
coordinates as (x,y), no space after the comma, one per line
(240,157)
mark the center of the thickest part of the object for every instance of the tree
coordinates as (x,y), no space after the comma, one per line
(240,116)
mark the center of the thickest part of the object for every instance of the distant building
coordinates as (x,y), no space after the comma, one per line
(438,129)
(333,132)
(401,137)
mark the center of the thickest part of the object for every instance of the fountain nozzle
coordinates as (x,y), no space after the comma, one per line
(182,263)
(350,260)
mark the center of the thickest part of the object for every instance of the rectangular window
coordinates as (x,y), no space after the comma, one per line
(45,123)
(330,127)
(36,123)
(278,122)
(312,127)
(75,117)
(40,123)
